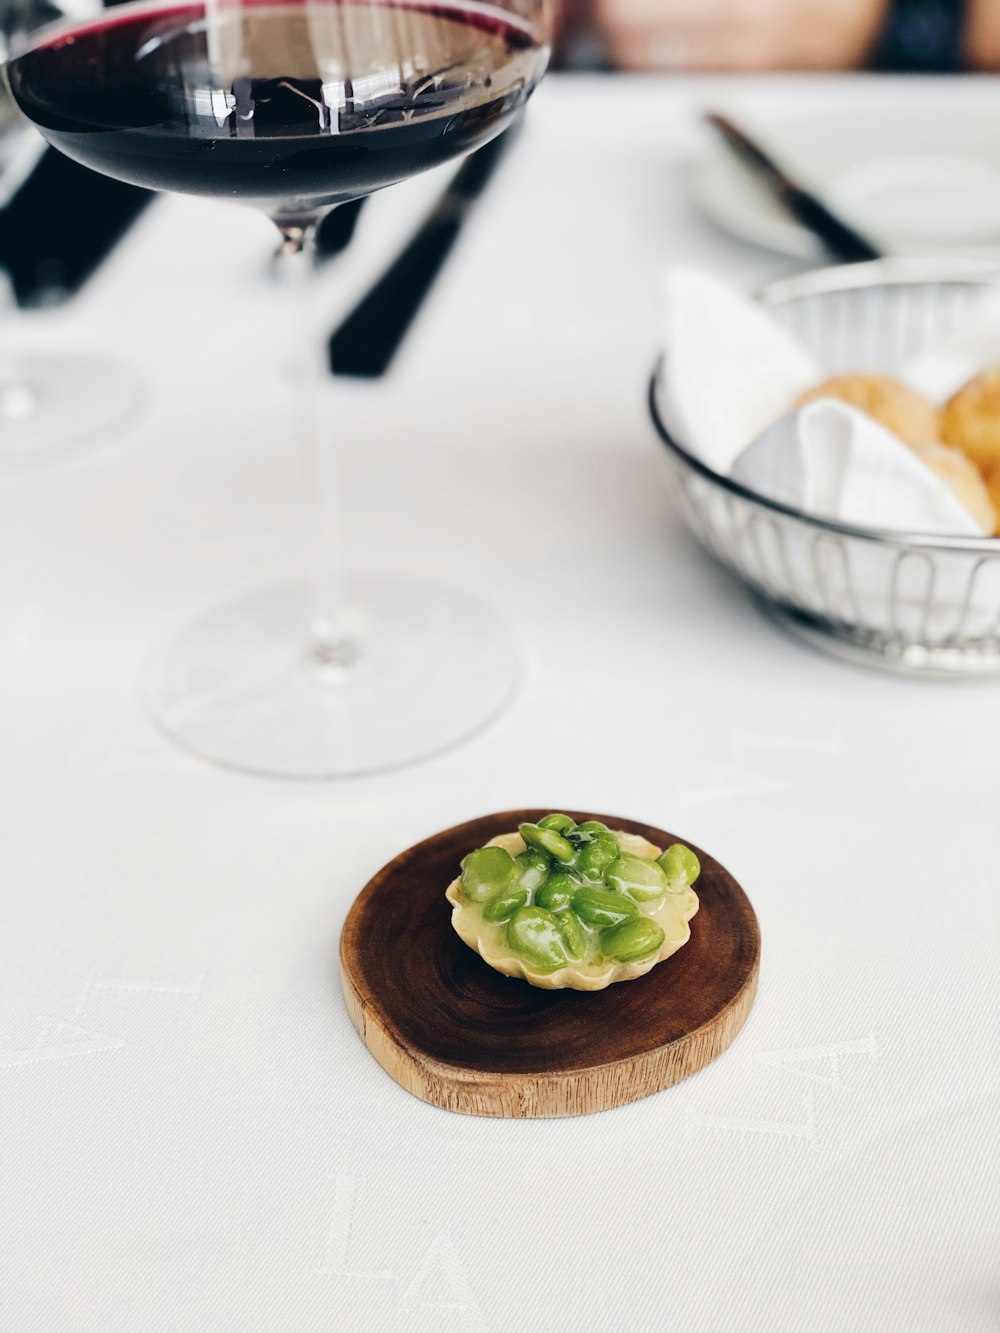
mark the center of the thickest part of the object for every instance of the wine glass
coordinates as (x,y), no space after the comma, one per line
(294,107)
(47,401)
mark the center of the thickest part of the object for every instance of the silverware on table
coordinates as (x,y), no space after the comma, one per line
(61,224)
(842,241)
(365,342)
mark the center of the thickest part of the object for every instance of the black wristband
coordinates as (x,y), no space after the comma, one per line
(922,37)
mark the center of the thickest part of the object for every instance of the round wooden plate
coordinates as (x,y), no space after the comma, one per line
(459,1035)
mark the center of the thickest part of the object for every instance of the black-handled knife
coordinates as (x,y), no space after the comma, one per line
(364,344)
(61,225)
(62,221)
(841,240)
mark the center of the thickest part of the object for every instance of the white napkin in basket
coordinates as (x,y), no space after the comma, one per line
(730,369)
(833,461)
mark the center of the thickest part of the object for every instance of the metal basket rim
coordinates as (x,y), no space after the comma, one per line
(895,271)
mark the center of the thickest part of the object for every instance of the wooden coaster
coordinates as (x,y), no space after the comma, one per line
(459,1035)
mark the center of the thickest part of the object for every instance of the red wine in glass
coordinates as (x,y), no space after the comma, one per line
(294,107)
(289,106)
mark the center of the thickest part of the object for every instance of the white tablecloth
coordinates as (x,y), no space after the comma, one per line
(192,1135)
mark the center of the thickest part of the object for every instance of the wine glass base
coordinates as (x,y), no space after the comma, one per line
(54,404)
(243,687)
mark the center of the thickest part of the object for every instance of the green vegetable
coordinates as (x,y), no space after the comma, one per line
(556,893)
(640,879)
(680,865)
(532,869)
(561,823)
(601,907)
(595,858)
(550,842)
(534,934)
(503,907)
(592,826)
(573,935)
(486,872)
(632,940)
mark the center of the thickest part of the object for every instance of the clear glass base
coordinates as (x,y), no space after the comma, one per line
(243,686)
(51,404)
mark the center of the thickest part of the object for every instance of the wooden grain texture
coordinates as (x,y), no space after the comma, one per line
(455,1033)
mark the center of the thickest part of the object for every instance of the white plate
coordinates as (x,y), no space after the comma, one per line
(914,180)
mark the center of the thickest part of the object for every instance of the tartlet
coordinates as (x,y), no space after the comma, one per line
(567,906)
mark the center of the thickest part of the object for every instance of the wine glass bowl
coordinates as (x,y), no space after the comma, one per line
(292,107)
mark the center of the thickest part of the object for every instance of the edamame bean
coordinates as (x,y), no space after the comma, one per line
(534,934)
(561,823)
(486,872)
(549,841)
(680,865)
(504,905)
(532,869)
(592,826)
(640,879)
(601,907)
(573,936)
(556,893)
(632,940)
(595,858)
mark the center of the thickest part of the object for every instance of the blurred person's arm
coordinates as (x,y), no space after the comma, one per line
(739,34)
(982,34)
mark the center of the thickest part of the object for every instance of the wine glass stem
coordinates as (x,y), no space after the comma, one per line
(331,647)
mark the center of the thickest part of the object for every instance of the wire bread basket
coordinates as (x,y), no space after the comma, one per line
(906,602)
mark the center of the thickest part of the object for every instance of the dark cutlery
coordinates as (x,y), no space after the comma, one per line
(61,225)
(364,344)
(842,241)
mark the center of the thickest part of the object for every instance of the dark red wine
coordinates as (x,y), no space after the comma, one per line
(288,105)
